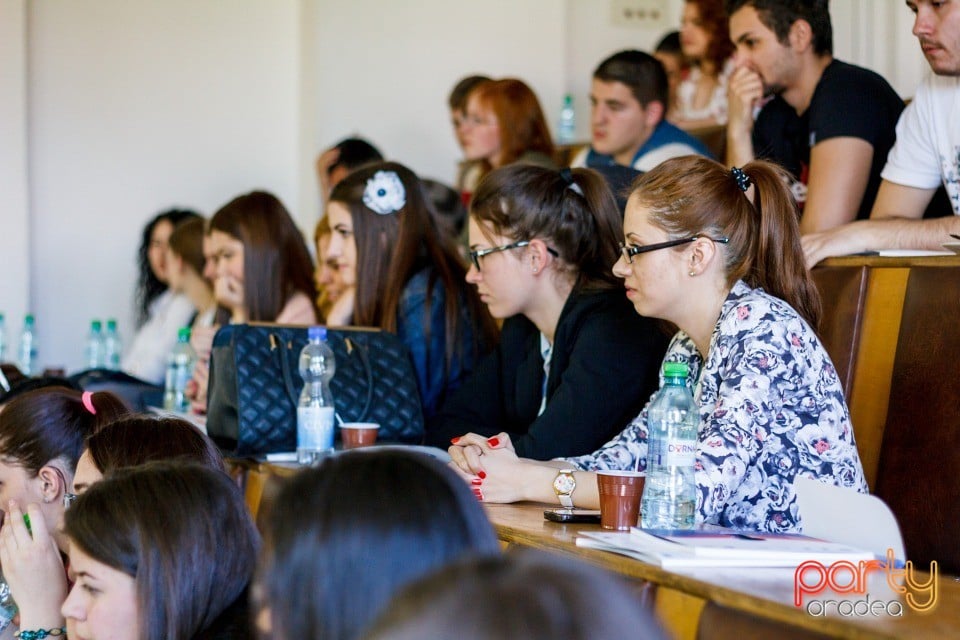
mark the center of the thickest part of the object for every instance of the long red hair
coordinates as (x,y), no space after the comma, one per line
(522,126)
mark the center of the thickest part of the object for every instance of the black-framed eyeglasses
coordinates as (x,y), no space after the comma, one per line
(630,250)
(479,253)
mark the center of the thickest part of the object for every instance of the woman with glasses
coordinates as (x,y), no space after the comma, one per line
(574,360)
(41,437)
(717,253)
(399,273)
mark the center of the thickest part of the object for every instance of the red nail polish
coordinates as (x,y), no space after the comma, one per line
(482,475)
(454,440)
(493,441)
(476,481)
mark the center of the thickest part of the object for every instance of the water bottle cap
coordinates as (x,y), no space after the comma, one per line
(96,325)
(184,334)
(28,319)
(675,369)
(317,333)
(111,324)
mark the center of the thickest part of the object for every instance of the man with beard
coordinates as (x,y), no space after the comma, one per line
(829,123)
(926,155)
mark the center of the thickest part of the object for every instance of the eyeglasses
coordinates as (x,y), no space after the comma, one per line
(630,250)
(476,255)
(68,497)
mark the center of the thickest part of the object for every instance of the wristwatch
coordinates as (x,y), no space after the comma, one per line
(564,485)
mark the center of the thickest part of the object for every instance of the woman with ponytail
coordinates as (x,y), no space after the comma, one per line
(41,437)
(574,361)
(717,253)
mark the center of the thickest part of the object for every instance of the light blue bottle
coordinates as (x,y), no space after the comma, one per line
(179,372)
(670,491)
(27,354)
(112,346)
(315,411)
(567,127)
(94,348)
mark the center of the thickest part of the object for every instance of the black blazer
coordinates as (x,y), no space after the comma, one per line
(603,368)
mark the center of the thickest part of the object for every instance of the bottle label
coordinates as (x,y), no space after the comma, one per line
(681,453)
(315,428)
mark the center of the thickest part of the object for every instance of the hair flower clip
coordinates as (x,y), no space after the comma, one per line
(384,193)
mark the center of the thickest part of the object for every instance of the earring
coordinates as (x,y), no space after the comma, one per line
(692,273)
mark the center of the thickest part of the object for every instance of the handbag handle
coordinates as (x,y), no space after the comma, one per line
(277,344)
(365,361)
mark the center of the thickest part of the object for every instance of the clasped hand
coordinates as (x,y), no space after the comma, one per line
(490,465)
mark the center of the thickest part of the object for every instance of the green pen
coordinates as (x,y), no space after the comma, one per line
(26,521)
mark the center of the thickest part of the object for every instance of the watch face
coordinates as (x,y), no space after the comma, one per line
(564,483)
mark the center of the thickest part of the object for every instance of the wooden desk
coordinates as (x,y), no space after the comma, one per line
(763,594)
(862,306)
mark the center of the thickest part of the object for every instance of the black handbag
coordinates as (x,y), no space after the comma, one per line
(255,385)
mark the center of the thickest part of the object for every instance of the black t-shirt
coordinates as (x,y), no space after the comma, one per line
(849,101)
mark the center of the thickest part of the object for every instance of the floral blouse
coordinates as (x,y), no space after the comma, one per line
(771,408)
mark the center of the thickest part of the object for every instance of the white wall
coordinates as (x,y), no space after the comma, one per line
(877,34)
(593,36)
(140,105)
(383,69)
(135,105)
(14,254)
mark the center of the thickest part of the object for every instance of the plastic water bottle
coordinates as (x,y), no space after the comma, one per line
(3,339)
(315,413)
(112,346)
(27,355)
(567,128)
(669,494)
(94,348)
(179,371)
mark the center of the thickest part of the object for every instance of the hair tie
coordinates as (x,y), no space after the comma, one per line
(567,176)
(742,179)
(87,399)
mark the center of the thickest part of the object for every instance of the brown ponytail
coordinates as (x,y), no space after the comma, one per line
(692,194)
(572,210)
(778,262)
(51,423)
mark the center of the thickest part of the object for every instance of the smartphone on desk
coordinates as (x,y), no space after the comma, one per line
(572,515)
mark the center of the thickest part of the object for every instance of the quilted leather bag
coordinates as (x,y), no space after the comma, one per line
(255,384)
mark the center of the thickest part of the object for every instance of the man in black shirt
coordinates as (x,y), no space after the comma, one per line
(831,124)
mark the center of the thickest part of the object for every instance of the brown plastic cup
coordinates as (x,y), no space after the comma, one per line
(358,434)
(620,493)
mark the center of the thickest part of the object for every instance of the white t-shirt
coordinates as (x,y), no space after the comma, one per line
(147,356)
(927,151)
